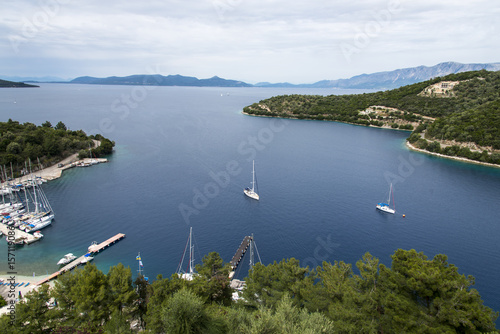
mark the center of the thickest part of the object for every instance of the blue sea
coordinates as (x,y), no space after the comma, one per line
(184,155)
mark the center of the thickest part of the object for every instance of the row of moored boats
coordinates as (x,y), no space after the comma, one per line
(25,208)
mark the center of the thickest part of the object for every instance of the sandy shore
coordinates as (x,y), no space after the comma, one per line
(411,147)
(54,172)
(5,290)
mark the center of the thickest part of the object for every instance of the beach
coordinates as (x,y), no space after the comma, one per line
(29,284)
(411,147)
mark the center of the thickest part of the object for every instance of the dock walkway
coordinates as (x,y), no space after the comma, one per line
(238,256)
(28,237)
(93,249)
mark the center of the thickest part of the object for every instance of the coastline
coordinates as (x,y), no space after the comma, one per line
(53,172)
(462,159)
(408,145)
(387,127)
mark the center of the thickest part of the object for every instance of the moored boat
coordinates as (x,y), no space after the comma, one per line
(66,259)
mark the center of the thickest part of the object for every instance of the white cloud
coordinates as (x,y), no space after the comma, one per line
(271,40)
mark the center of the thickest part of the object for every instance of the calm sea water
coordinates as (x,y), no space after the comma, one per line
(184,155)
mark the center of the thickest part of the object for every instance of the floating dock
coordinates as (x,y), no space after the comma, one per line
(18,234)
(93,249)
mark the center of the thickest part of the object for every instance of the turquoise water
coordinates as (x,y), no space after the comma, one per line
(184,156)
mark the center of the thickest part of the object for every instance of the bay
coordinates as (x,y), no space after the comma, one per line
(184,155)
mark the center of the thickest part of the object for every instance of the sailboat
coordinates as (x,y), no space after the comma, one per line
(250,192)
(385,207)
(190,271)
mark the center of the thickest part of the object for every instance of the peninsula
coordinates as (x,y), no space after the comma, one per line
(12,84)
(45,145)
(453,116)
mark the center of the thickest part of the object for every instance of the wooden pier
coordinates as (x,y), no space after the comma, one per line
(240,252)
(92,250)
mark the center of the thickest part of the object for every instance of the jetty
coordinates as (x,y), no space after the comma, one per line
(19,235)
(238,256)
(92,250)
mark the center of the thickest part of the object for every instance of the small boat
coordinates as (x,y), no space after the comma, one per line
(385,207)
(93,246)
(86,258)
(250,192)
(66,259)
(38,235)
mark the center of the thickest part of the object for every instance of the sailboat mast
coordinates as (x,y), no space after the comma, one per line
(191,255)
(389,197)
(253,176)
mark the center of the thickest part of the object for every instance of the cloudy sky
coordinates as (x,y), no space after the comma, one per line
(296,41)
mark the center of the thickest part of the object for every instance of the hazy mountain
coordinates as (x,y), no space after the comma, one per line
(396,78)
(160,80)
(378,80)
(33,79)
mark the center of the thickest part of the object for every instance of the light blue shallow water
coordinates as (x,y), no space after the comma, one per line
(318,183)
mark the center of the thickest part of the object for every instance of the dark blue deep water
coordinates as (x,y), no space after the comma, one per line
(184,155)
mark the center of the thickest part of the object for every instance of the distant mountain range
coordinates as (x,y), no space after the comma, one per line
(160,80)
(393,79)
(379,80)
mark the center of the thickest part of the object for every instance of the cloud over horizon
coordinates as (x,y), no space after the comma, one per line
(273,40)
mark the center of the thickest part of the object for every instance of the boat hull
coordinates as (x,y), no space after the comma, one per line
(385,209)
(251,194)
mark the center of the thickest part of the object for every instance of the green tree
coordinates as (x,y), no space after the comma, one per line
(266,285)
(185,313)
(84,296)
(120,285)
(14,148)
(33,314)
(47,124)
(60,126)
(212,279)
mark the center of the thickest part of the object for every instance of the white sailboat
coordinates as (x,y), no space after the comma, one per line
(386,207)
(250,192)
(190,272)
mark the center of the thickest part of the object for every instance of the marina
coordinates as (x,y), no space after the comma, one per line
(92,250)
(319,183)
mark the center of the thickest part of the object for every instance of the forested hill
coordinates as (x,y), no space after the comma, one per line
(6,84)
(465,106)
(414,295)
(46,144)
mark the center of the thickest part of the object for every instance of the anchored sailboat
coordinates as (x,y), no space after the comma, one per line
(190,271)
(250,192)
(385,207)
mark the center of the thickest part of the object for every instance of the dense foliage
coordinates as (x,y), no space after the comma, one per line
(46,144)
(469,115)
(415,295)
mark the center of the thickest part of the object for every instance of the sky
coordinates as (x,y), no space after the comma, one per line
(294,41)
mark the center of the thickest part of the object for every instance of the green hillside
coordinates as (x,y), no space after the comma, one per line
(466,114)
